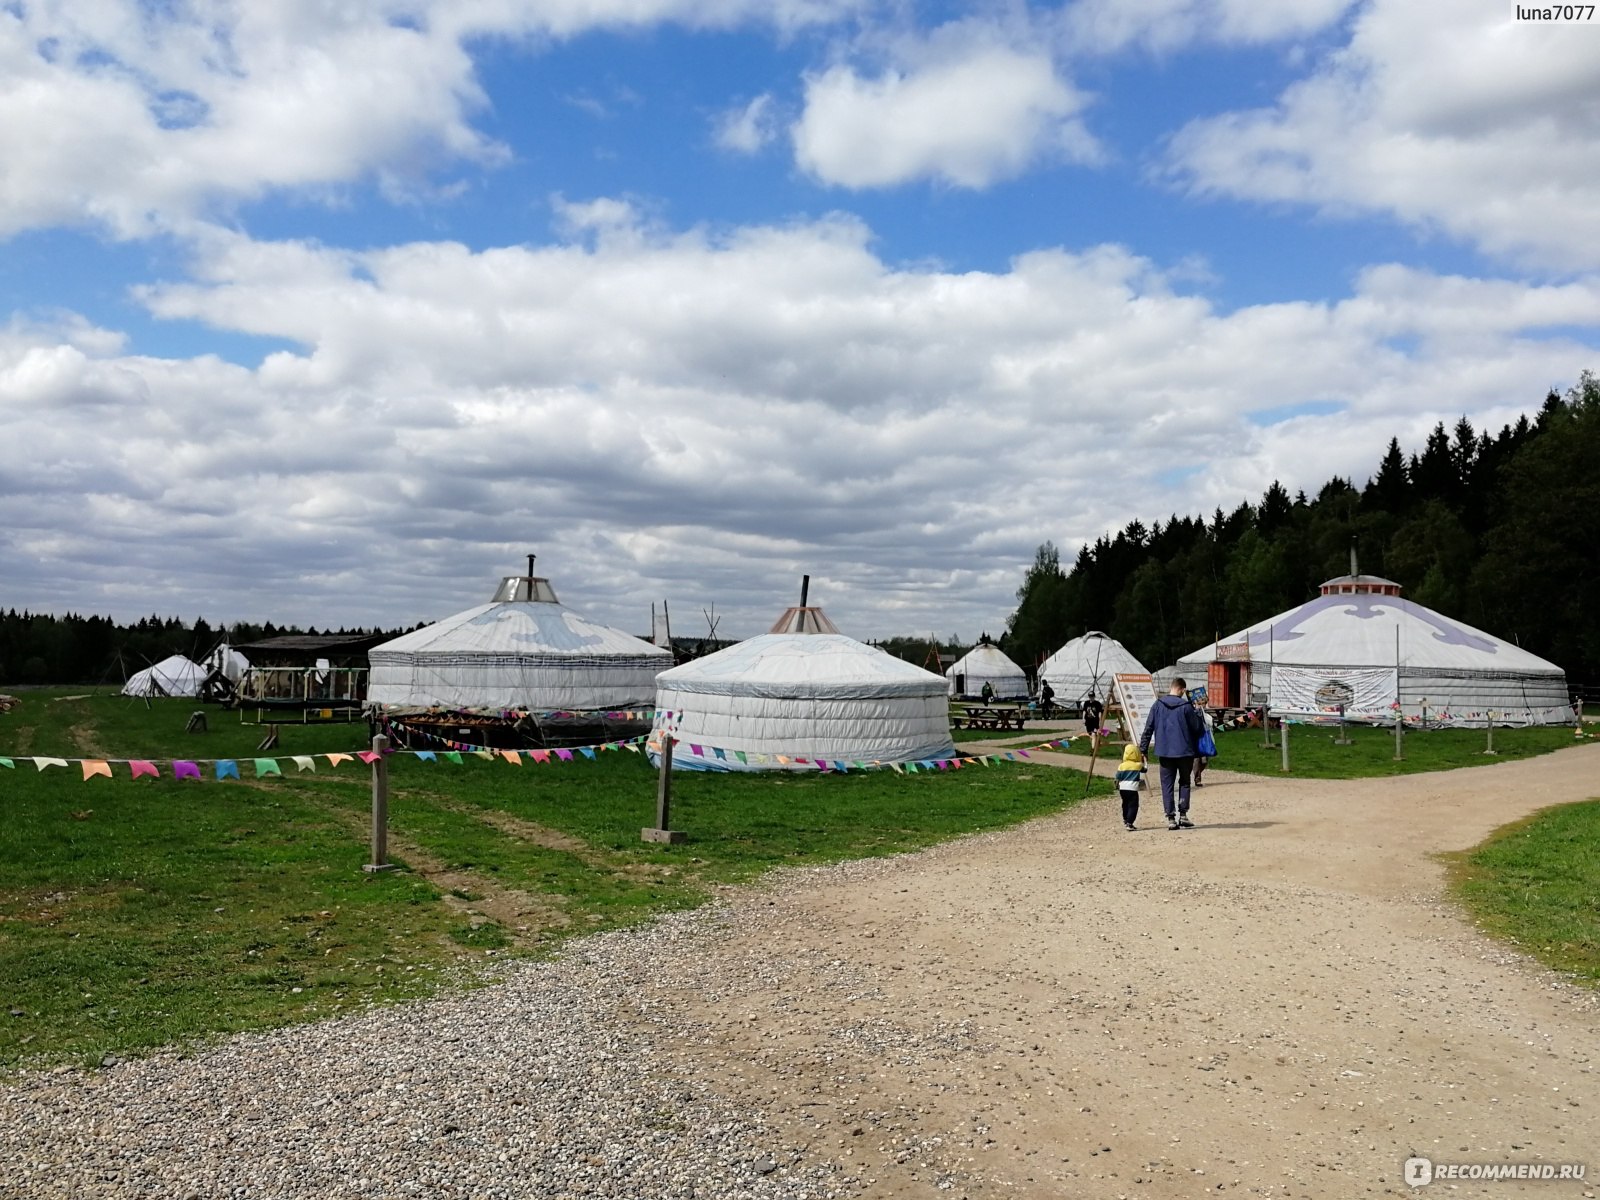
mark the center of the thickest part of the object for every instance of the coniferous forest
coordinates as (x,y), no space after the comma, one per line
(1499,530)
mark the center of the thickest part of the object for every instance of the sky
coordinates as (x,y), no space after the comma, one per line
(330,313)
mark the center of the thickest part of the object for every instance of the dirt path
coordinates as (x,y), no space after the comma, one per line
(1279,1003)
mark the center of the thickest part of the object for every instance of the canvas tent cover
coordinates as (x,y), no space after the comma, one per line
(514,654)
(1343,642)
(229,661)
(173,676)
(820,695)
(987,663)
(1088,663)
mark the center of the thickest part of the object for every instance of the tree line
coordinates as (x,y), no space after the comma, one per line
(37,648)
(1501,531)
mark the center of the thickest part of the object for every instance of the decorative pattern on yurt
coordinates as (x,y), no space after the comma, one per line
(799,694)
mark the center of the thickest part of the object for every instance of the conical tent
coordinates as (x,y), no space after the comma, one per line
(173,676)
(523,650)
(1086,664)
(761,704)
(1359,646)
(987,663)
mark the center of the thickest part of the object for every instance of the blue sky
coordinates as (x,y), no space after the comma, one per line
(328,316)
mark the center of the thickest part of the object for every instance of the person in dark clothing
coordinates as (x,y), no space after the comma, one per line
(1175,726)
(1047,699)
(1092,710)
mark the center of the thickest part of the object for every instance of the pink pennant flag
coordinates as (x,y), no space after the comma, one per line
(697,751)
(93,767)
(1024,753)
(539,756)
(186,770)
(512,757)
(367,756)
(335,759)
(140,767)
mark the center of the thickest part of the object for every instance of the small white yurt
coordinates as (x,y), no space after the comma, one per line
(1086,664)
(802,691)
(1361,647)
(987,663)
(174,676)
(522,650)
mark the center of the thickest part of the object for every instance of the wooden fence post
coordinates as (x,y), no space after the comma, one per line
(663,831)
(380,807)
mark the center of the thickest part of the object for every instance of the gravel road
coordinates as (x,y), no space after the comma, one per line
(1278,1003)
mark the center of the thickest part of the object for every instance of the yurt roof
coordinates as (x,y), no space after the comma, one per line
(803,620)
(1090,653)
(520,626)
(793,664)
(985,659)
(1359,631)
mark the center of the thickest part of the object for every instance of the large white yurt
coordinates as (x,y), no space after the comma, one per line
(524,650)
(1086,664)
(173,676)
(228,661)
(801,691)
(1361,646)
(987,663)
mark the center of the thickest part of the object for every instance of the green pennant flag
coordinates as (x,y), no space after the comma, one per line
(267,766)
(740,755)
(911,768)
(8,764)
(453,755)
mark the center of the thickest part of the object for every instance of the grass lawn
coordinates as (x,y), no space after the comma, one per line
(1537,883)
(1313,754)
(137,913)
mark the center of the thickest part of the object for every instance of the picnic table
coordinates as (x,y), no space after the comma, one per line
(989,716)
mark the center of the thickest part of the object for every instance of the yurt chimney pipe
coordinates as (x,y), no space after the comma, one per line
(531,557)
(1354,569)
(805,589)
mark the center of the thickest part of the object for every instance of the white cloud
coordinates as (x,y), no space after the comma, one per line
(1478,127)
(139,119)
(746,128)
(702,417)
(1167,25)
(970,119)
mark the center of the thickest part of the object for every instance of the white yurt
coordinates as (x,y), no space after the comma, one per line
(987,663)
(1361,646)
(1086,664)
(522,650)
(174,676)
(802,691)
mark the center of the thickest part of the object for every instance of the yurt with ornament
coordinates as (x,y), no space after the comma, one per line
(800,695)
(1362,652)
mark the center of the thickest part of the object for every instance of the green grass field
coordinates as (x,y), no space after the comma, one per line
(1313,753)
(137,913)
(1537,883)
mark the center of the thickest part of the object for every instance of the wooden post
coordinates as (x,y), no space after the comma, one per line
(1344,738)
(1399,713)
(380,808)
(1283,740)
(1266,728)
(663,832)
(1094,753)
(1488,728)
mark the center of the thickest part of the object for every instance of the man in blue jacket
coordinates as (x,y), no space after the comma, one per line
(1176,727)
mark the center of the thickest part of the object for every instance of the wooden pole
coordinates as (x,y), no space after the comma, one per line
(1488,728)
(663,832)
(380,807)
(1094,753)
(1399,713)
(1283,740)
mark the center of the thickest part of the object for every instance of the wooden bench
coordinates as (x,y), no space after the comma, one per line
(989,717)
